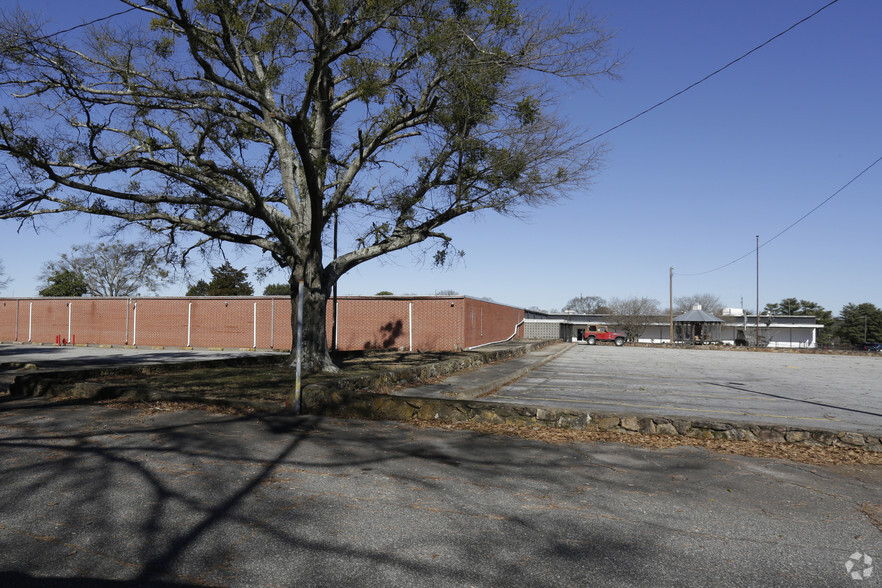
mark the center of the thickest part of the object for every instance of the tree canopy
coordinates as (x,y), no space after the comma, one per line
(112,269)
(587,305)
(633,315)
(277,290)
(859,323)
(709,303)
(65,283)
(225,281)
(258,122)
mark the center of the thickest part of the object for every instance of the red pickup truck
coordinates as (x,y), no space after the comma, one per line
(593,334)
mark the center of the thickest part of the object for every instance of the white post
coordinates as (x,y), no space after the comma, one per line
(410,324)
(189,321)
(254,346)
(69,308)
(135,324)
(30,319)
(299,348)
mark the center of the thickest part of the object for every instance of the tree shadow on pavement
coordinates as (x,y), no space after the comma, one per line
(132,497)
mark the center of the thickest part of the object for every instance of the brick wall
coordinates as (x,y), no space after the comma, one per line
(425,323)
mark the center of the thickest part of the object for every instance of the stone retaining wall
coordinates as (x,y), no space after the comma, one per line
(318,400)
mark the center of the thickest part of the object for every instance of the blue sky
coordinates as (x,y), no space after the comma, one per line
(689,185)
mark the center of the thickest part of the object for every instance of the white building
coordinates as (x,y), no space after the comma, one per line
(779,331)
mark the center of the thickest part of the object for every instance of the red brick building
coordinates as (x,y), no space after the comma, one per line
(429,323)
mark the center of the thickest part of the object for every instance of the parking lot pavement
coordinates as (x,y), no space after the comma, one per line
(91,495)
(835,392)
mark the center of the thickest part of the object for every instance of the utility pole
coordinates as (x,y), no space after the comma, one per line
(671,305)
(756,343)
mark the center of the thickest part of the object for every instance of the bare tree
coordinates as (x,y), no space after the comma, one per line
(112,269)
(4,279)
(259,122)
(709,303)
(587,305)
(633,315)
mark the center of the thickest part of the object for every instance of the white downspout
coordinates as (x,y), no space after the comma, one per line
(189,320)
(502,341)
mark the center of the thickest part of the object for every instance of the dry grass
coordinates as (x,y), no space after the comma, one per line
(812,454)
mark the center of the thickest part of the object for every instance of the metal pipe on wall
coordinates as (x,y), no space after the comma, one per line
(189,321)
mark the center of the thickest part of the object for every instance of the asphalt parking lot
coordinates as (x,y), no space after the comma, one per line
(147,495)
(99,496)
(835,392)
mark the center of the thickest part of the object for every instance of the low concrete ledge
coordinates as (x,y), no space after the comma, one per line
(472,359)
(318,400)
(64,381)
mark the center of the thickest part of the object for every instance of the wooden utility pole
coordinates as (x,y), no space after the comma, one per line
(756,341)
(671,305)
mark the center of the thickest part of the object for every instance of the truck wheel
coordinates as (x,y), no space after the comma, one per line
(592,340)
(619,341)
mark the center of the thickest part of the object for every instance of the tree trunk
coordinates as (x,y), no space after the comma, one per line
(315,356)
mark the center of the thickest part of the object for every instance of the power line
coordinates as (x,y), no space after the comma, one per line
(86,24)
(793,224)
(708,76)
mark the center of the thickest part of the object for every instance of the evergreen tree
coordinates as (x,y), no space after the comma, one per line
(859,323)
(225,281)
(65,283)
(277,290)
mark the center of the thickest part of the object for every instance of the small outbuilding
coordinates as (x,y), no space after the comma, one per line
(697,327)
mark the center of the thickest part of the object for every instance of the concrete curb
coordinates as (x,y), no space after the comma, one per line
(415,375)
(507,378)
(62,381)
